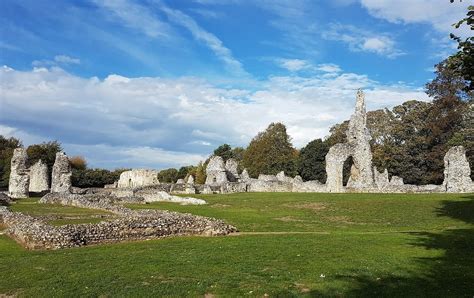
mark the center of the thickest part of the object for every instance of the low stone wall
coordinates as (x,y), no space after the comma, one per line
(34,233)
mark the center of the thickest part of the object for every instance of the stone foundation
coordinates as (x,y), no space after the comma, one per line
(34,233)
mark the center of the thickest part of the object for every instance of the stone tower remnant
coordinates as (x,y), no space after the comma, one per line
(19,176)
(357,146)
(215,171)
(457,171)
(61,177)
(39,180)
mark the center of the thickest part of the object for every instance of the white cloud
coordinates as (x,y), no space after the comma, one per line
(64,59)
(441,14)
(137,17)
(153,120)
(360,40)
(293,64)
(329,67)
(209,39)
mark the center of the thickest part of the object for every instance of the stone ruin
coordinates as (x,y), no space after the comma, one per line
(357,147)
(137,178)
(61,176)
(457,171)
(219,172)
(364,177)
(19,175)
(39,180)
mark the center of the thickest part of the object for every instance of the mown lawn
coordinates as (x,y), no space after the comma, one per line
(289,245)
(59,214)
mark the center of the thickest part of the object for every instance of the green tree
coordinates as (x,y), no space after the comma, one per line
(224,151)
(463,61)
(200,173)
(270,152)
(94,177)
(311,161)
(168,175)
(184,171)
(7,145)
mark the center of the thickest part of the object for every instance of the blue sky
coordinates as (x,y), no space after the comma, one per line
(158,83)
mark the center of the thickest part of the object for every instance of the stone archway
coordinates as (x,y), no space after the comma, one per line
(335,159)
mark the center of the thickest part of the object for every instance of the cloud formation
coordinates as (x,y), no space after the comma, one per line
(160,122)
(360,40)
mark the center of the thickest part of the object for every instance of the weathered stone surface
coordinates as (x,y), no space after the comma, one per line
(335,159)
(39,180)
(381,179)
(34,233)
(282,177)
(162,196)
(215,171)
(263,177)
(138,178)
(309,186)
(297,179)
(183,188)
(272,185)
(359,137)
(231,167)
(457,171)
(61,177)
(244,176)
(190,180)
(113,185)
(180,181)
(19,176)
(357,146)
(396,181)
(234,187)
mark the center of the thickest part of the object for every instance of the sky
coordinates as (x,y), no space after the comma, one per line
(161,83)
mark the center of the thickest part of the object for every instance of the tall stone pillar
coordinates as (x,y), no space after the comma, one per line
(61,177)
(19,177)
(39,180)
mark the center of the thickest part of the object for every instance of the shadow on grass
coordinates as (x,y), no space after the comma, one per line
(451,275)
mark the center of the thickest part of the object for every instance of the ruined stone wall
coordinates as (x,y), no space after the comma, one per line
(19,175)
(137,178)
(215,171)
(457,171)
(61,176)
(34,233)
(39,180)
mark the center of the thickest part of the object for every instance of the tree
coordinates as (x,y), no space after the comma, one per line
(200,173)
(271,152)
(184,171)
(312,161)
(463,60)
(7,146)
(78,162)
(168,175)
(224,151)
(94,177)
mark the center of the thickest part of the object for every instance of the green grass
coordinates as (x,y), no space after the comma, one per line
(59,214)
(290,245)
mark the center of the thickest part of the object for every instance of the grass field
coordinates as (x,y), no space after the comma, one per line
(288,245)
(58,214)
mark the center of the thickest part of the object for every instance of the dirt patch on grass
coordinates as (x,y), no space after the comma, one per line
(315,206)
(341,219)
(289,219)
(302,288)
(218,205)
